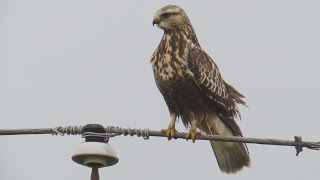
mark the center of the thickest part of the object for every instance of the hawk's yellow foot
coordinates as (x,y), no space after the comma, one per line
(170,132)
(192,134)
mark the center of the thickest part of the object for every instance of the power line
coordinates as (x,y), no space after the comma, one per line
(112,131)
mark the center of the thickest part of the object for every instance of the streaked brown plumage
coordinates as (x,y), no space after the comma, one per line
(193,88)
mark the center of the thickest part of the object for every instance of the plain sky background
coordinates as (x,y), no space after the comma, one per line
(78,62)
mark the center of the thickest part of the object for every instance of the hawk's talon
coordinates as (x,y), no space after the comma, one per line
(192,134)
(170,132)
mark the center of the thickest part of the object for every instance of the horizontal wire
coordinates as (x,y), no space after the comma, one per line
(112,131)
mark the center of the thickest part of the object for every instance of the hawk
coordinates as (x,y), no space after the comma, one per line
(194,90)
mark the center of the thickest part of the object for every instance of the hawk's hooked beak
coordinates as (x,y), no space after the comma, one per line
(155,21)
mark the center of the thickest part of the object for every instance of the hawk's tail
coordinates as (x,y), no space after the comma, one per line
(231,156)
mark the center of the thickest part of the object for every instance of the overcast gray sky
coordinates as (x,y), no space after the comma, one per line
(77,62)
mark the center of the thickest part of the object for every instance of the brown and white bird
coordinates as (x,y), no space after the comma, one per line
(194,90)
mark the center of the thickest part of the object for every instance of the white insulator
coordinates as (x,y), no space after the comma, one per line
(95,154)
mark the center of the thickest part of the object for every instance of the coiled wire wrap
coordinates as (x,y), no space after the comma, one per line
(144,133)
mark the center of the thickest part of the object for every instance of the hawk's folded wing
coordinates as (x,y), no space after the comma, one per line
(208,77)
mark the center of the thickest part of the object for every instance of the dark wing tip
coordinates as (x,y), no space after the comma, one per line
(236,95)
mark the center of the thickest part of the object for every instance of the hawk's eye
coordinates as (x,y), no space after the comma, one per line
(165,15)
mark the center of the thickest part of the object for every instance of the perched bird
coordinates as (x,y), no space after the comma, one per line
(194,90)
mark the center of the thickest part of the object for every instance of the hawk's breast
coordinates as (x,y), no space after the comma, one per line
(173,77)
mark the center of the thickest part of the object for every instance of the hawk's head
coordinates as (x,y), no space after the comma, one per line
(170,17)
